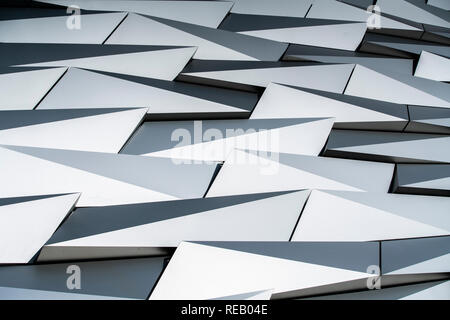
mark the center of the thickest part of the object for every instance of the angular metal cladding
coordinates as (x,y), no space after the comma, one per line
(56,26)
(436,34)
(26,223)
(427,179)
(102,130)
(205,13)
(81,280)
(416,11)
(433,67)
(39,81)
(214,140)
(280,8)
(209,270)
(211,43)
(170,100)
(379,23)
(428,120)
(415,260)
(349,112)
(345,35)
(102,178)
(434,290)
(401,47)
(346,216)
(245,172)
(159,227)
(397,88)
(259,74)
(389,146)
(160,62)
(226,150)
(297,52)
(442,4)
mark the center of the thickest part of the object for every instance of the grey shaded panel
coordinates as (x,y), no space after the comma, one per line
(355,256)
(330,9)
(171,99)
(416,10)
(149,203)
(12,13)
(223,269)
(264,50)
(165,99)
(363,4)
(211,43)
(159,136)
(430,179)
(436,34)
(159,228)
(24,53)
(406,279)
(133,278)
(413,256)
(390,45)
(38,82)
(328,77)
(303,50)
(238,99)
(433,67)
(148,61)
(429,120)
(287,172)
(52,254)
(26,226)
(60,28)
(281,101)
(21,118)
(206,13)
(29,13)
(297,52)
(389,146)
(147,172)
(8,70)
(339,34)
(95,220)
(397,87)
(443,4)
(9,201)
(320,167)
(346,216)
(197,65)
(339,286)
(282,8)
(411,30)
(393,109)
(246,22)
(437,290)
(256,295)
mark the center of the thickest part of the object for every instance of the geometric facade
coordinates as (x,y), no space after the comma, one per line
(224,150)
